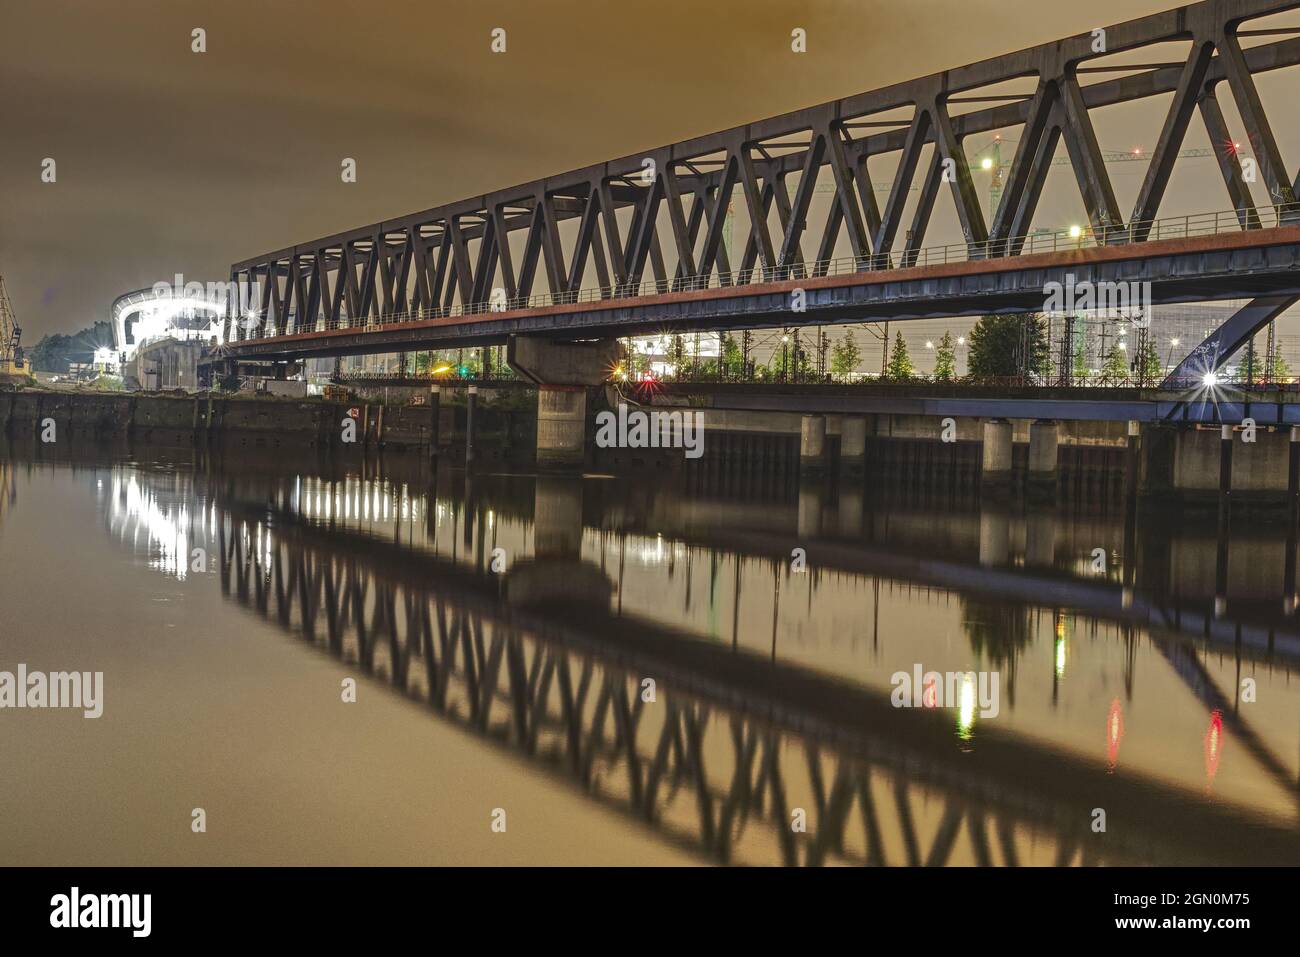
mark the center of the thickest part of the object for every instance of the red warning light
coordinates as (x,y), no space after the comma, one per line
(1213,745)
(1114,732)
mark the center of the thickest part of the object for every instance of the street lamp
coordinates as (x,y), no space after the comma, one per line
(1173,344)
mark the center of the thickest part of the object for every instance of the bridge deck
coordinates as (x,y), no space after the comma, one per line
(1240,264)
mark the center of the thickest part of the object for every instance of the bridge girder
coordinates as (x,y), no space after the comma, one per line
(451,259)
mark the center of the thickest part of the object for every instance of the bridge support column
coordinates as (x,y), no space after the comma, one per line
(812,444)
(997,459)
(562,372)
(853,445)
(561,426)
(1156,458)
(1044,436)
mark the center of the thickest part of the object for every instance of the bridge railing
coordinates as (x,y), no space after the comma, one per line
(1040,242)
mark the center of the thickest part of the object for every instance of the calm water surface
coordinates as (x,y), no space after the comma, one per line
(665,669)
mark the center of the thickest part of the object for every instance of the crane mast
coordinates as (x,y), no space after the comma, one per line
(11,352)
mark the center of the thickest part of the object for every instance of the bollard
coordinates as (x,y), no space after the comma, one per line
(435,404)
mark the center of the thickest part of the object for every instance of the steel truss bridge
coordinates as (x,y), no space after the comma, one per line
(651,225)
(735,741)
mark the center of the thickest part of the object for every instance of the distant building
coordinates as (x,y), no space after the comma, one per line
(164,364)
(142,317)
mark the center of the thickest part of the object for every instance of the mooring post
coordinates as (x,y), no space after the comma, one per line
(1225,460)
(435,397)
(1132,459)
(1293,468)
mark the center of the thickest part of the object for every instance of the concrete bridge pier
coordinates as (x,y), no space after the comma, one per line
(1044,437)
(812,445)
(996,467)
(561,426)
(853,445)
(562,371)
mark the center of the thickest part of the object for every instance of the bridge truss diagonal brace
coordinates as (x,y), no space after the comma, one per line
(1222,344)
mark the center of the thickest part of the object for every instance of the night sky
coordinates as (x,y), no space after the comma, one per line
(171,161)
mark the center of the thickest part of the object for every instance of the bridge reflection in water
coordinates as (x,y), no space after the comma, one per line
(522,611)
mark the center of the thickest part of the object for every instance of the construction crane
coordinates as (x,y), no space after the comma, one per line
(992,162)
(11,352)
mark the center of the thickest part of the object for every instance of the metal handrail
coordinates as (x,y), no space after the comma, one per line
(1135,233)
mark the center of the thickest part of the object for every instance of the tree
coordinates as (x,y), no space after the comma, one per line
(467,366)
(677,356)
(635,362)
(1008,346)
(845,356)
(945,359)
(1115,369)
(731,360)
(1147,363)
(51,353)
(803,362)
(1080,358)
(900,365)
(823,345)
(1281,369)
(1249,369)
